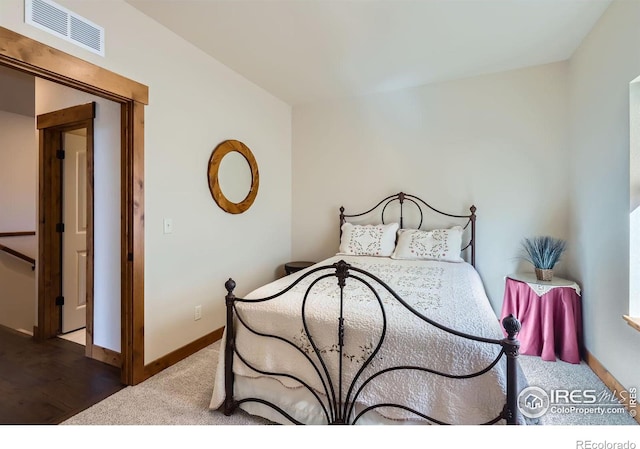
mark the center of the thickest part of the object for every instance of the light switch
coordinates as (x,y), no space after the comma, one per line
(168,225)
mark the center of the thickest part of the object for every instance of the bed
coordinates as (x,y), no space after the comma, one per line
(396,328)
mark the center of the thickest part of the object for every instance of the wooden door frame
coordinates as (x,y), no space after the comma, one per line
(51,127)
(32,57)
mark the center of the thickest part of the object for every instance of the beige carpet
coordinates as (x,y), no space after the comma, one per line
(180,395)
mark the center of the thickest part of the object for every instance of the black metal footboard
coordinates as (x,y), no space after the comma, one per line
(339,397)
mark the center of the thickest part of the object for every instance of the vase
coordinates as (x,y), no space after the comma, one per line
(544,275)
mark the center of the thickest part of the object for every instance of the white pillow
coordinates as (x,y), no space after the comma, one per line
(438,244)
(368,240)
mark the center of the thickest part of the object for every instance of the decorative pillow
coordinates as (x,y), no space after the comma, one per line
(438,244)
(368,240)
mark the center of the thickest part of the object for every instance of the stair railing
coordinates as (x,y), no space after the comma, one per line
(15,253)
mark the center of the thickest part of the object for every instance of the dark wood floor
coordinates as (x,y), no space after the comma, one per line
(48,382)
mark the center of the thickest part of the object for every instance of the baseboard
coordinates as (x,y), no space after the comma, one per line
(105,355)
(174,357)
(607,378)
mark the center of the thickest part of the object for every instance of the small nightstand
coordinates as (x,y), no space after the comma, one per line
(550,313)
(292,267)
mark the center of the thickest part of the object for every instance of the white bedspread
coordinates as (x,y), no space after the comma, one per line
(449,293)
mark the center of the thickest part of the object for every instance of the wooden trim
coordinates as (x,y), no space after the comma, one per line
(49,241)
(137,206)
(67,116)
(108,356)
(634,322)
(38,59)
(182,353)
(17,233)
(126,241)
(34,57)
(90,350)
(132,251)
(611,382)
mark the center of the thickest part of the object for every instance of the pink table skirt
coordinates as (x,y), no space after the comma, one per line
(551,323)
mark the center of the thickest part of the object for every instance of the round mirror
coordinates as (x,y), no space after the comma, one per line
(233,176)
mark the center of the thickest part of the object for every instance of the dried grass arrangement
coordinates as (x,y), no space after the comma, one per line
(543,252)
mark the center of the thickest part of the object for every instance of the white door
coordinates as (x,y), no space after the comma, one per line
(74,238)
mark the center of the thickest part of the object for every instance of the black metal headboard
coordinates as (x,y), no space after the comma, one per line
(401,198)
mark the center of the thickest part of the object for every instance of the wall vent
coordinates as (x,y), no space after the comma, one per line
(57,20)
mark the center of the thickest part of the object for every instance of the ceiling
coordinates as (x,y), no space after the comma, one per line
(310,50)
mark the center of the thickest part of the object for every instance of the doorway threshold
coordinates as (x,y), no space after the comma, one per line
(79,336)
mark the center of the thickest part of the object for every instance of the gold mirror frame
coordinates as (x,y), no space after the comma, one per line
(215,160)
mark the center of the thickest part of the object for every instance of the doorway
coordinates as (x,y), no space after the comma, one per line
(66,225)
(33,57)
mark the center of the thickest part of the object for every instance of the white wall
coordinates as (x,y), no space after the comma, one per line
(18,172)
(106,297)
(195,103)
(16,92)
(18,176)
(497,141)
(600,73)
(17,290)
(634,198)
(634,144)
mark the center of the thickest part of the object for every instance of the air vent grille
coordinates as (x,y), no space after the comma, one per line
(57,20)
(50,17)
(87,34)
